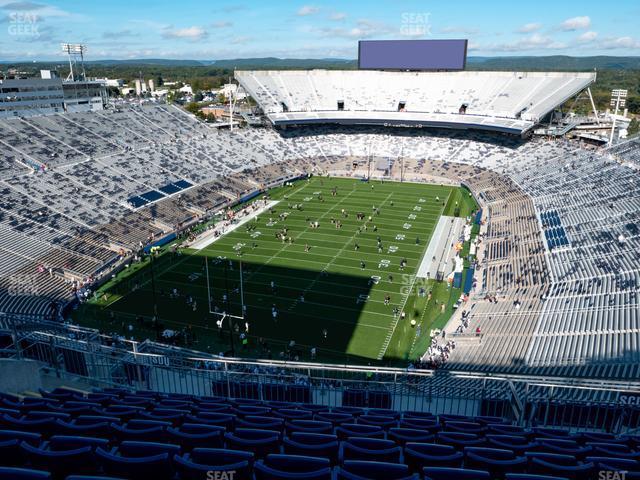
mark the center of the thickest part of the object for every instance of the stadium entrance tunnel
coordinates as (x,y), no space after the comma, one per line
(340,315)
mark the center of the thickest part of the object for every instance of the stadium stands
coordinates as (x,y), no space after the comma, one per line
(558,246)
(511,102)
(65,434)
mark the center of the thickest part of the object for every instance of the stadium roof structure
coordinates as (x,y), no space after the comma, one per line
(508,102)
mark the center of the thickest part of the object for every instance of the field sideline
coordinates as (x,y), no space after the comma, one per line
(325,297)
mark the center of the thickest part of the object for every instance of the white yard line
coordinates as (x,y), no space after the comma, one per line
(209,237)
(330,262)
(394,324)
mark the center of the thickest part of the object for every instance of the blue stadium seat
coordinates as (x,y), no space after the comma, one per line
(359,470)
(351,410)
(176,404)
(517,444)
(552,433)
(75,408)
(309,426)
(43,426)
(259,442)
(75,427)
(225,420)
(460,440)
(383,422)
(258,422)
(193,435)
(429,424)
(175,417)
(10,452)
(559,465)
(61,462)
(565,447)
(418,455)
(197,464)
(600,437)
(290,414)
(347,430)
(123,412)
(496,461)
(464,427)
(283,467)
(139,460)
(370,448)
(312,444)
(213,408)
(281,405)
(91,477)
(619,450)
(615,464)
(445,473)
(448,417)
(384,412)
(500,429)
(9,473)
(251,410)
(403,435)
(60,394)
(335,418)
(489,420)
(68,442)
(313,407)
(530,476)
(141,430)
(416,414)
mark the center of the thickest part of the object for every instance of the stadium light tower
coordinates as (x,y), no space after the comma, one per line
(618,99)
(75,52)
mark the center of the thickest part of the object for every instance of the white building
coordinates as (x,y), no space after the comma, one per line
(24,97)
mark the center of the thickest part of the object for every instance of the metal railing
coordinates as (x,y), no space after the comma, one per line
(77,353)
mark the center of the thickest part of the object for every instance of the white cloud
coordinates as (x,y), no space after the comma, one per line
(191,33)
(337,16)
(363,28)
(532,42)
(242,40)
(529,28)
(459,29)
(307,10)
(575,23)
(221,24)
(587,37)
(614,43)
(119,34)
(40,10)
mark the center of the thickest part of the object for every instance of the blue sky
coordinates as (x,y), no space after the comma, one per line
(209,30)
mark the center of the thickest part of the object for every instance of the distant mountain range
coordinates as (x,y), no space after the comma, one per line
(555,62)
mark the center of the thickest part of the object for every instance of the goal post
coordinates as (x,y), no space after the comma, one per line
(227,312)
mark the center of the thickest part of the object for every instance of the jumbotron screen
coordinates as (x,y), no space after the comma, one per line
(412,54)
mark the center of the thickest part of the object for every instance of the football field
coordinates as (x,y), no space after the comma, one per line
(336,282)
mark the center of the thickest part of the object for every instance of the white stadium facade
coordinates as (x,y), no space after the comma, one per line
(508,102)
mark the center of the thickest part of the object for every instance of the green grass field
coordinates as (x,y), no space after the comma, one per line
(339,296)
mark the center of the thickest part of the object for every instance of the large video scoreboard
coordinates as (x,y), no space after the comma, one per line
(412,54)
